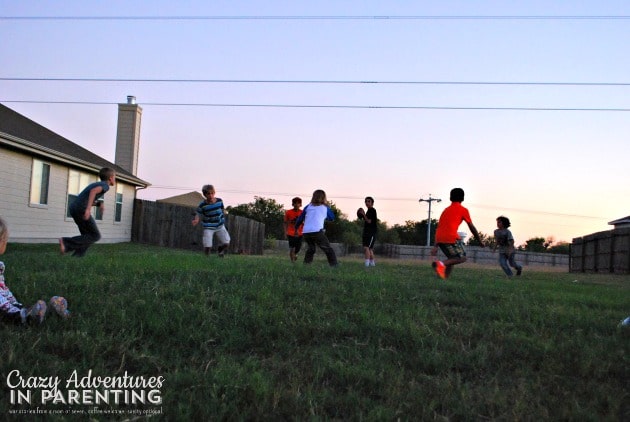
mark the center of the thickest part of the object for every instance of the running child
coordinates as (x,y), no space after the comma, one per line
(313,217)
(294,235)
(211,213)
(446,237)
(81,212)
(505,243)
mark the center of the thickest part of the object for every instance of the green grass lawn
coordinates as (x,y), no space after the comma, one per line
(257,337)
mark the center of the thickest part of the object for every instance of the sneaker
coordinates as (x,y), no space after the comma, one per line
(38,311)
(372,264)
(440,269)
(519,271)
(60,306)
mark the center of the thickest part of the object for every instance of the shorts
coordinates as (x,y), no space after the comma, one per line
(369,238)
(453,250)
(222,235)
(295,242)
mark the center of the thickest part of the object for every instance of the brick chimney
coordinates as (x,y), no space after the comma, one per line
(128,135)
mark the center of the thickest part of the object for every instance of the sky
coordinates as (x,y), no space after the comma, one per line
(524,105)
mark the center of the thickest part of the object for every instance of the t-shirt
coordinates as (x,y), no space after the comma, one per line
(211,214)
(449,222)
(290,217)
(314,217)
(503,237)
(80,204)
(371,227)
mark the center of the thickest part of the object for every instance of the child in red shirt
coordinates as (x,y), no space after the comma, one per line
(294,236)
(447,238)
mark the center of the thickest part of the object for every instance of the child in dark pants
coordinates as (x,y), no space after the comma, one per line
(505,243)
(80,210)
(313,217)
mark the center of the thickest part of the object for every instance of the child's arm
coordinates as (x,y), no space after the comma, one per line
(330,215)
(475,233)
(88,210)
(195,220)
(300,219)
(286,225)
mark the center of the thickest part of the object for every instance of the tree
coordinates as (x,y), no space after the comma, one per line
(414,232)
(487,240)
(267,211)
(335,229)
(560,248)
(536,244)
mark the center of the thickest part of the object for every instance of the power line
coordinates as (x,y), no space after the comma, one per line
(321,17)
(404,199)
(298,81)
(330,106)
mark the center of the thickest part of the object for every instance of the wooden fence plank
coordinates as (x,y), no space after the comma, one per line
(170,225)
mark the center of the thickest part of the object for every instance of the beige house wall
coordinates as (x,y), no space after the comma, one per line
(45,224)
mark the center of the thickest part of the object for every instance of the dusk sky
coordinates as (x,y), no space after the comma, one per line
(524,105)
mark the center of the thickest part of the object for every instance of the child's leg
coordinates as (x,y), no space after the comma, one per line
(503,262)
(310,247)
(514,265)
(208,235)
(224,240)
(298,245)
(324,245)
(89,235)
(455,254)
(292,243)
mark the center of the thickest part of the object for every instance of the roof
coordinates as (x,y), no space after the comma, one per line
(190,199)
(21,133)
(624,220)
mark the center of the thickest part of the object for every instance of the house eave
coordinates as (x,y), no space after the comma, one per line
(36,149)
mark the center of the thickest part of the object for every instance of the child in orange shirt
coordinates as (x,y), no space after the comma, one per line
(447,238)
(294,235)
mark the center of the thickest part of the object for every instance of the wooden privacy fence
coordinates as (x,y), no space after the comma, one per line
(603,252)
(169,225)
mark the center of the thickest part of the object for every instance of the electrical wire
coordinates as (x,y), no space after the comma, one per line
(330,106)
(345,196)
(298,81)
(320,17)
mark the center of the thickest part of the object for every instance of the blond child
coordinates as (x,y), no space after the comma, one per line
(12,310)
(211,213)
(313,216)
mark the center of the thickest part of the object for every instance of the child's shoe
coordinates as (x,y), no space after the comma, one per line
(60,306)
(38,311)
(440,269)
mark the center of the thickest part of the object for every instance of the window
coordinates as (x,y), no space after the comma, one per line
(119,203)
(77,181)
(40,180)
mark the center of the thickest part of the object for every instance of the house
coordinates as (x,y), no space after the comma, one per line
(190,199)
(621,222)
(42,172)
